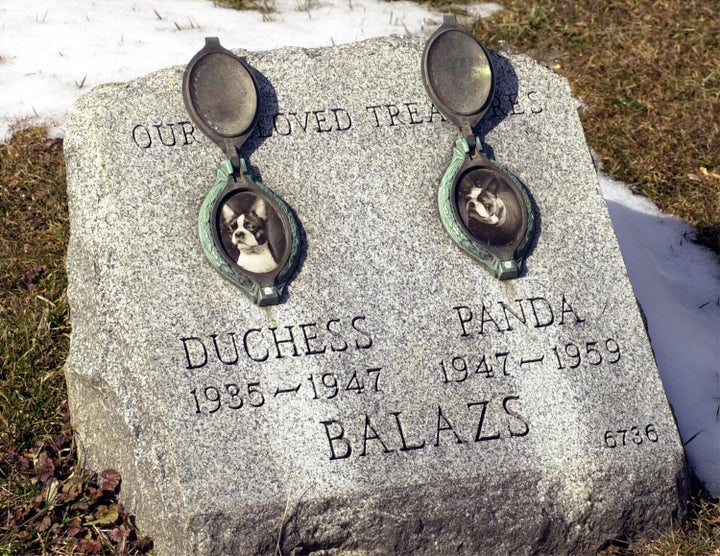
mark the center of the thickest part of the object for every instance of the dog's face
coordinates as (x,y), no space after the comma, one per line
(247,230)
(483,204)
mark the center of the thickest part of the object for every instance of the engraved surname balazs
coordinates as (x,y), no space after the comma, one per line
(380,434)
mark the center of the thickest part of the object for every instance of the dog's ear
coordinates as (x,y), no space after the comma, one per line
(228,215)
(260,208)
(493,186)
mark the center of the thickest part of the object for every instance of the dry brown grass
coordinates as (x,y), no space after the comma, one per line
(648,73)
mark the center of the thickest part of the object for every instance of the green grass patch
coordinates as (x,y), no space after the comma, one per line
(35,333)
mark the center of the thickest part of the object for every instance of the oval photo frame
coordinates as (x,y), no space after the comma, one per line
(490,207)
(265,249)
(221,94)
(500,235)
(458,74)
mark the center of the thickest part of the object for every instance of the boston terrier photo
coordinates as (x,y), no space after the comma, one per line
(489,209)
(248,233)
(485,206)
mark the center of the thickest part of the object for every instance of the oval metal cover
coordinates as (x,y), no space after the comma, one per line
(458,74)
(220,93)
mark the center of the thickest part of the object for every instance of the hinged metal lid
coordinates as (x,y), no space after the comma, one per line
(221,96)
(458,75)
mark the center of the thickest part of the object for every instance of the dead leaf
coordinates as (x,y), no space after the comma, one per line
(33,271)
(44,524)
(105,515)
(110,480)
(72,488)
(44,468)
(90,546)
(74,527)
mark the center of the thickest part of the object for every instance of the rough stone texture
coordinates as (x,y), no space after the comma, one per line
(519,462)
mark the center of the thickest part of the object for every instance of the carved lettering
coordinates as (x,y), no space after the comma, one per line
(290,340)
(405,113)
(325,120)
(173,134)
(293,122)
(479,437)
(312,338)
(567,308)
(367,344)
(508,104)
(191,353)
(163,134)
(373,436)
(343,121)
(167,141)
(252,355)
(309,350)
(338,437)
(384,433)
(217,349)
(141,137)
(405,446)
(444,425)
(337,336)
(531,312)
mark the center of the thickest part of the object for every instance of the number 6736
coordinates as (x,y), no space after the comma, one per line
(633,435)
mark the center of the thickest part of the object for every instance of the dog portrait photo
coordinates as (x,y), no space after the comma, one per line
(251,232)
(489,208)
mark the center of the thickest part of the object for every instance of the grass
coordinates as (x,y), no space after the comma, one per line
(48,504)
(648,74)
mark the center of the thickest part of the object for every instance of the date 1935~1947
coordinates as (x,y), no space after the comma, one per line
(324,386)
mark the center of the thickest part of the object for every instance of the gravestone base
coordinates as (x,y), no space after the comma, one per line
(399,399)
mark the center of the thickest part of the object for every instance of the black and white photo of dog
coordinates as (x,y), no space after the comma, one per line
(245,233)
(489,208)
(484,205)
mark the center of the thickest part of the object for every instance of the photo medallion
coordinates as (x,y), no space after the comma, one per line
(249,234)
(485,209)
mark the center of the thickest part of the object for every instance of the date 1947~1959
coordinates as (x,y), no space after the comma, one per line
(503,363)
(632,436)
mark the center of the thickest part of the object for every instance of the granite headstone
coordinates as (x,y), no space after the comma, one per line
(400,399)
